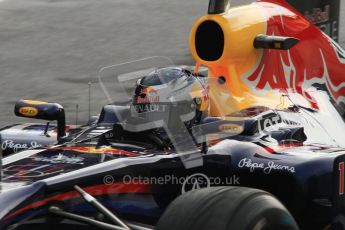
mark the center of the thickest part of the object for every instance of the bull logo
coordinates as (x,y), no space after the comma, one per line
(314,62)
(148,95)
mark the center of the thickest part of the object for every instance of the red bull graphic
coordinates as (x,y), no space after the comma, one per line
(94,150)
(148,95)
(246,76)
(315,61)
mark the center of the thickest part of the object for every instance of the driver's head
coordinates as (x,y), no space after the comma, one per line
(171,93)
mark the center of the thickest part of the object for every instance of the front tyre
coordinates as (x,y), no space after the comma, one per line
(226,208)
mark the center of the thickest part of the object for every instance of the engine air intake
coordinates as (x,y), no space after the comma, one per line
(209,41)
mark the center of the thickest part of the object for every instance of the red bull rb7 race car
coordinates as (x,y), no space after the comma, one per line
(251,138)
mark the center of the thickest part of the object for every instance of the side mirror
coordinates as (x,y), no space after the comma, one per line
(44,111)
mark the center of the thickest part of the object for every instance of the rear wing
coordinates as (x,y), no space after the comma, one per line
(323,13)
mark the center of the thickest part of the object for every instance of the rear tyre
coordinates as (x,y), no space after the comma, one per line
(226,208)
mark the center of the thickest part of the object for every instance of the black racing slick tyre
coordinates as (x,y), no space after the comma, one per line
(226,208)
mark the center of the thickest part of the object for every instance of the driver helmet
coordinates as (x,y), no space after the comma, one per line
(168,94)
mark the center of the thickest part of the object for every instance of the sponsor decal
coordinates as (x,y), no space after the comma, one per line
(267,121)
(150,108)
(148,99)
(28,111)
(148,95)
(267,168)
(27,171)
(10,144)
(60,159)
(94,150)
(231,128)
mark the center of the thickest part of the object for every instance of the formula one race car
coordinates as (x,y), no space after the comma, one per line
(258,144)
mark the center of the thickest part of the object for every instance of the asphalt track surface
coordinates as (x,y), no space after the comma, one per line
(51,49)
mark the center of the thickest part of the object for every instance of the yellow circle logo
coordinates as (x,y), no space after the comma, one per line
(28,111)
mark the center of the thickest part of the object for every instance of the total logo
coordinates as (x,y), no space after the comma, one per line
(28,111)
(268,122)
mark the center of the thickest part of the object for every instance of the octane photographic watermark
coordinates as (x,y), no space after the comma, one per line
(108,180)
(188,183)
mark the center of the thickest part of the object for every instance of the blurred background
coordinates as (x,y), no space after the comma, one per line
(51,49)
